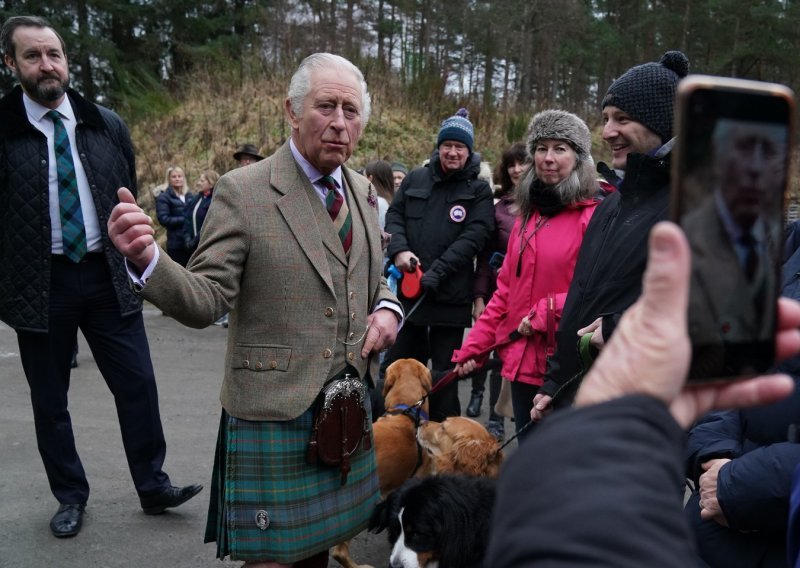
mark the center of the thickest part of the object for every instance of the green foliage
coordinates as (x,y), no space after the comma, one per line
(516,128)
(197,77)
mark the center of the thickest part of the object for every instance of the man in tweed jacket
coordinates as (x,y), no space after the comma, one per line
(302,310)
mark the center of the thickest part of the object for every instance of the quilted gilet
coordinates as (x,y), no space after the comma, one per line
(106,152)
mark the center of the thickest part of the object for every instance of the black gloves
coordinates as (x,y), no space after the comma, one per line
(430,282)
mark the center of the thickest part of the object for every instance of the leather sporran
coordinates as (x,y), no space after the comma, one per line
(341,423)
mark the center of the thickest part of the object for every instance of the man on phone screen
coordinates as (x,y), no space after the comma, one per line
(736,225)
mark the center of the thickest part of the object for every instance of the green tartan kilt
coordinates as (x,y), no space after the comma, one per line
(269,504)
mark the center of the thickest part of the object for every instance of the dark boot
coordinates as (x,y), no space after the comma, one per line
(496,428)
(474,406)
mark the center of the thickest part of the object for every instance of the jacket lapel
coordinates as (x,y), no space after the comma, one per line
(353,202)
(365,215)
(298,209)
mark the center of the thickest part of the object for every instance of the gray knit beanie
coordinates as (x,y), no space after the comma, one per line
(647,92)
(561,125)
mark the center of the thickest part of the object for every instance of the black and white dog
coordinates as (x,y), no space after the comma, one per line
(437,522)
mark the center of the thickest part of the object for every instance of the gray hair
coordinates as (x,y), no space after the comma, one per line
(11,25)
(300,85)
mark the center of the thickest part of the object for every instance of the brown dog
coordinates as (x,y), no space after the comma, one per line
(397,454)
(398,458)
(461,445)
(457,445)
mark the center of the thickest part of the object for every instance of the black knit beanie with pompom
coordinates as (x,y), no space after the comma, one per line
(647,92)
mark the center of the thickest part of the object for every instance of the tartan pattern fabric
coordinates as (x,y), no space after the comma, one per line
(339,212)
(267,503)
(73,232)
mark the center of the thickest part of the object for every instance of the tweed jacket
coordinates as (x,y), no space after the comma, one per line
(726,315)
(262,256)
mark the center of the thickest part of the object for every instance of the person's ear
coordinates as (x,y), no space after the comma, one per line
(294,120)
(10,62)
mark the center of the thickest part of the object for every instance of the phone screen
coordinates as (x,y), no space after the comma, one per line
(728,197)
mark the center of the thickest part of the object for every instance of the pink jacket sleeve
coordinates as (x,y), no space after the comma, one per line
(483,334)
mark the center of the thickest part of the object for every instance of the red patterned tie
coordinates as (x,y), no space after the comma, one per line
(340,214)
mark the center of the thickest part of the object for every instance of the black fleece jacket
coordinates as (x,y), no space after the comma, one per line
(445,220)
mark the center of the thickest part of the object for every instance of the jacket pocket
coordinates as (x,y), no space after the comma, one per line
(415,207)
(260,358)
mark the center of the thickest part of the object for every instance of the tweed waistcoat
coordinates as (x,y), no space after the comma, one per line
(352,307)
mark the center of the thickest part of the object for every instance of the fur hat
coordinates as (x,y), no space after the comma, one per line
(458,128)
(561,125)
(247,150)
(647,92)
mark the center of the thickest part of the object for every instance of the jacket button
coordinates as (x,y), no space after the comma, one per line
(351,335)
(351,356)
(353,316)
(327,354)
(352,295)
(259,366)
(273,364)
(245,363)
(328,312)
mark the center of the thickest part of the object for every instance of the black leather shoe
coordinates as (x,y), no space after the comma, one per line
(474,406)
(171,497)
(68,520)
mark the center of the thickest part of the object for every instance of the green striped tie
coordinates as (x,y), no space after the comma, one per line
(73,232)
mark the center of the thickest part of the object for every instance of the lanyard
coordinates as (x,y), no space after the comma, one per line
(523,242)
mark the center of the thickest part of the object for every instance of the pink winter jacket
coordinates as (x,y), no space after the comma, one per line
(547,263)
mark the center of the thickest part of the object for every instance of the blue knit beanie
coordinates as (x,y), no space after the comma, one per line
(458,128)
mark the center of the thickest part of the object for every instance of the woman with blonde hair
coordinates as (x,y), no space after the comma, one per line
(197,209)
(170,206)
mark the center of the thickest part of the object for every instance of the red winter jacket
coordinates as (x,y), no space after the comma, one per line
(544,266)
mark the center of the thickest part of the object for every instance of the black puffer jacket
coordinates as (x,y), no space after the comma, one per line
(445,221)
(106,152)
(611,262)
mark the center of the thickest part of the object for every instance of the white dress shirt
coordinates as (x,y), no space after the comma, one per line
(36,116)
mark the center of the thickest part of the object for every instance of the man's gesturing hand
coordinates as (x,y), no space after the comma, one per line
(131,231)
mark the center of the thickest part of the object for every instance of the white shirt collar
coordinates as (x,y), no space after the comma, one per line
(311,172)
(36,112)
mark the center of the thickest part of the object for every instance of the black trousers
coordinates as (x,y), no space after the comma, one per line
(522,402)
(82,296)
(437,343)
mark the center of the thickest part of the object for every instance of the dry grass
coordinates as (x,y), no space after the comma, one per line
(217,111)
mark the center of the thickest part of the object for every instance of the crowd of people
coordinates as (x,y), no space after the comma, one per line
(556,267)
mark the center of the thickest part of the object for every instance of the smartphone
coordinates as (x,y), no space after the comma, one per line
(496,260)
(729,178)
